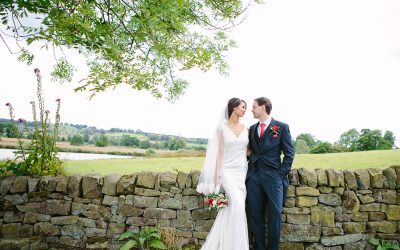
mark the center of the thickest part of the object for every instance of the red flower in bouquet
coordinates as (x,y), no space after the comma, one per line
(275,131)
(216,201)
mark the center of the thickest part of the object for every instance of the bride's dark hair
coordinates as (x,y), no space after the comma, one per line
(233,103)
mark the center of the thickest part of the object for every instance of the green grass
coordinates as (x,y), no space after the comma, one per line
(127,166)
(354,160)
(370,159)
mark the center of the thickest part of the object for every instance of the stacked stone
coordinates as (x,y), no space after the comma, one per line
(331,209)
(325,209)
(91,211)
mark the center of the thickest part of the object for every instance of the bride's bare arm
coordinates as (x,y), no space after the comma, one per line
(220,157)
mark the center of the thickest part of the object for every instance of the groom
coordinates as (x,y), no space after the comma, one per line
(267,179)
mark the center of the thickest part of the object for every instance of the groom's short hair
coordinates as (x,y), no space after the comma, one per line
(264,101)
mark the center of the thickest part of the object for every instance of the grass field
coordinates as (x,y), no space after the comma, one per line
(367,159)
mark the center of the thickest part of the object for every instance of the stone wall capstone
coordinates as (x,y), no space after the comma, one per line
(324,209)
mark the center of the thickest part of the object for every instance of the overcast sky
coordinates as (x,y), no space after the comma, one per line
(327,66)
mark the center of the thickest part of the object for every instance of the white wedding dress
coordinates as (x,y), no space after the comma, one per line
(229,231)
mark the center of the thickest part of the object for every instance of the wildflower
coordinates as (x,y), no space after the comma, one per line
(32,102)
(47,111)
(8,104)
(37,71)
(58,100)
(21,120)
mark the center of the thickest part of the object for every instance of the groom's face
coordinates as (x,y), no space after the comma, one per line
(257,110)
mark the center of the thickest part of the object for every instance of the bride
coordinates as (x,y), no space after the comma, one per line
(225,167)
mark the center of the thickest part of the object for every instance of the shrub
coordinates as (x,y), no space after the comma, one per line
(383,245)
(76,140)
(148,238)
(101,141)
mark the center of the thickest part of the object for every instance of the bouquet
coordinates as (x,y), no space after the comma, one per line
(216,201)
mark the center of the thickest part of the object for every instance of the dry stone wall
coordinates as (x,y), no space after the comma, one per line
(325,209)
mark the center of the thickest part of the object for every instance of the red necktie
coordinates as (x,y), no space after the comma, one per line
(262,129)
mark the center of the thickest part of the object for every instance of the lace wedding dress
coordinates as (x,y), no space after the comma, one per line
(229,231)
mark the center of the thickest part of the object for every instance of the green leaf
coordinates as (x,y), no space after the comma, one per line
(157,244)
(374,241)
(142,240)
(144,44)
(126,235)
(128,245)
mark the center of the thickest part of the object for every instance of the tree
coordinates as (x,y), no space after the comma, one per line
(349,139)
(129,141)
(370,140)
(101,141)
(389,139)
(308,138)
(11,131)
(86,136)
(176,144)
(140,43)
(76,140)
(144,144)
(301,147)
(322,148)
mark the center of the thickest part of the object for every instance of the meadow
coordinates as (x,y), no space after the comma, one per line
(354,160)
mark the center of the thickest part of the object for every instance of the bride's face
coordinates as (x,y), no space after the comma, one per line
(240,110)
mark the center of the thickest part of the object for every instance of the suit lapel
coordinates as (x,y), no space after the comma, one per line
(254,137)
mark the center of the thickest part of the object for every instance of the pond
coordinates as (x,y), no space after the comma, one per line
(9,154)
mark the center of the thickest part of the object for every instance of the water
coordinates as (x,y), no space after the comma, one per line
(9,154)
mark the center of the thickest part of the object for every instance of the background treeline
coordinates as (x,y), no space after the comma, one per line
(77,134)
(305,143)
(350,141)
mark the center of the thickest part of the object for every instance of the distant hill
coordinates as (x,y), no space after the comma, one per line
(68,132)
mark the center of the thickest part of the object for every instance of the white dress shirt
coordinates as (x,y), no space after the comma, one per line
(267,122)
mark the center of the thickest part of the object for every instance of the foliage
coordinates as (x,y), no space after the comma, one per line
(349,139)
(150,151)
(301,147)
(147,238)
(322,148)
(170,238)
(372,140)
(383,245)
(308,138)
(175,144)
(129,141)
(9,130)
(40,157)
(140,43)
(101,141)
(76,140)
(144,144)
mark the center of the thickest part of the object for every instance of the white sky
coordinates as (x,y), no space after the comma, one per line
(327,66)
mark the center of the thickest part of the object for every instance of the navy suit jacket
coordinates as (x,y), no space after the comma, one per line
(266,151)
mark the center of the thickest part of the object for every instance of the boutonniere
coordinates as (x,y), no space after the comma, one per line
(275,131)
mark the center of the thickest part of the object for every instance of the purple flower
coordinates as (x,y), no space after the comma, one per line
(21,120)
(58,100)
(47,111)
(37,71)
(32,102)
(8,104)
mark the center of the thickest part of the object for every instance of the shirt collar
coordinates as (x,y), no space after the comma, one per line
(267,122)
